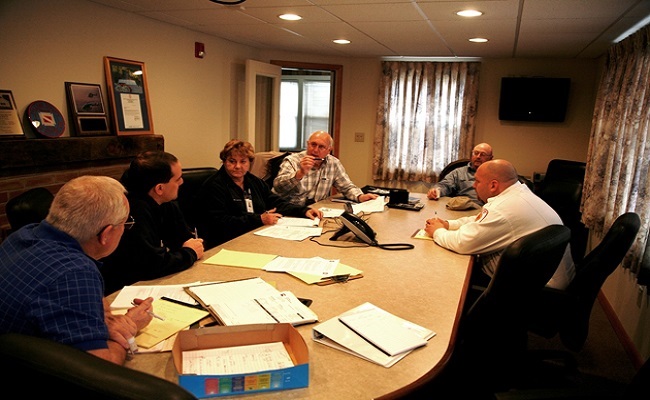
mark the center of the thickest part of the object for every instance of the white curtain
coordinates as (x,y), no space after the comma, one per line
(616,179)
(425,118)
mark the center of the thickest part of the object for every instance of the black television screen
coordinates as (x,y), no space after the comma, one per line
(534,99)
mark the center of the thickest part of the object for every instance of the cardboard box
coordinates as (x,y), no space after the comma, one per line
(229,336)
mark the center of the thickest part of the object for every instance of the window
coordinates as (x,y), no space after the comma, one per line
(305,106)
(426,118)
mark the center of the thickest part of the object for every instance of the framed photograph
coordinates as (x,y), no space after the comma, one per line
(128,95)
(10,124)
(86,109)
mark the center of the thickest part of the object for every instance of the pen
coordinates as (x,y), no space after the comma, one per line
(196,233)
(319,159)
(151,313)
(155,315)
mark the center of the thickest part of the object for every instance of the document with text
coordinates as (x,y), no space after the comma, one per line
(251,301)
(378,323)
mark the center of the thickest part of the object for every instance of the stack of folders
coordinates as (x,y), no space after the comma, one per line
(373,334)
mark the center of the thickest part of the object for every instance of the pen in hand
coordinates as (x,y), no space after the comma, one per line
(195,233)
(151,313)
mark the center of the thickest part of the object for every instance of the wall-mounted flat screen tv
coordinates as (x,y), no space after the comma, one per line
(534,99)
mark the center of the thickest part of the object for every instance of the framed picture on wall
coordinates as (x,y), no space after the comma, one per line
(10,124)
(86,109)
(128,95)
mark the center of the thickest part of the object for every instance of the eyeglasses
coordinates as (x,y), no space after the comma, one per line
(316,145)
(128,224)
(480,154)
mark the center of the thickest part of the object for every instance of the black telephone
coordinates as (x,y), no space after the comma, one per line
(354,224)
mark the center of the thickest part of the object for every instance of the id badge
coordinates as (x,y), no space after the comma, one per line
(249,205)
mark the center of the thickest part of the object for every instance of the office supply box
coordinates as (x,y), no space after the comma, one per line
(218,337)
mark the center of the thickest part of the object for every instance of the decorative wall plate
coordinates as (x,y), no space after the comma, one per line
(45,119)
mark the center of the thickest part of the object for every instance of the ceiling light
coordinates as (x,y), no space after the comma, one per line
(290,17)
(469,13)
(341,41)
(478,40)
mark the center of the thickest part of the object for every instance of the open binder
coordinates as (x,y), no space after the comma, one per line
(250,301)
(374,328)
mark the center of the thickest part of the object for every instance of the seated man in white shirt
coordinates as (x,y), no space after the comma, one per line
(511,211)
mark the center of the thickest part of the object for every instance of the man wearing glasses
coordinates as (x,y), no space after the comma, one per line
(460,182)
(160,243)
(308,176)
(50,285)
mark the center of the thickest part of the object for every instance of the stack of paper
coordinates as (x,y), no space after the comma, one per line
(378,336)
(251,301)
(173,318)
(309,270)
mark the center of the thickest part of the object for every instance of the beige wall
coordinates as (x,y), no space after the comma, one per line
(197,103)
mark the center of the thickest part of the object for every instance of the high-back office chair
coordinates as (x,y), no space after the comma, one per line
(59,370)
(28,207)
(562,190)
(493,333)
(193,179)
(452,166)
(567,312)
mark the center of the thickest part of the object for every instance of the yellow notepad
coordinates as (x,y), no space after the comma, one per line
(421,234)
(176,317)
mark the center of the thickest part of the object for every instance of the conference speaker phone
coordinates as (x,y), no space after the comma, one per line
(360,228)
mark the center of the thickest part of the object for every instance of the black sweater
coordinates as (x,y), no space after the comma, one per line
(221,207)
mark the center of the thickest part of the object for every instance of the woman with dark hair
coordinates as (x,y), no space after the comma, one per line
(234,201)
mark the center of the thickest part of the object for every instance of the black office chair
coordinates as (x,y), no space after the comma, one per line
(588,387)
(452,166)
(567,312)
(193,179)
(56,370)
(562,190)
(493,332)
(28,207)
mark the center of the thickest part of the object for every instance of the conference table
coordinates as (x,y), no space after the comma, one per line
(425,285)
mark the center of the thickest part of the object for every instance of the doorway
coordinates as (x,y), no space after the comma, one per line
(311,80)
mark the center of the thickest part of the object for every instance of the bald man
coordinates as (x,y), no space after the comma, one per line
(308,176)
(511,211)
(460,182)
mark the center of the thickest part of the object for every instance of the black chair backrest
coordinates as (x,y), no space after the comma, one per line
(273,168)
(28,207)
(58,369)
(562,190)
(591,274)
(498,317)
(452,166)
(193,179)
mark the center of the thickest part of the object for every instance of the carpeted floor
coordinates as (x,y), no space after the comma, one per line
(603,367)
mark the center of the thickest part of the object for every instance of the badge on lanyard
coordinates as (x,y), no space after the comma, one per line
(248,199)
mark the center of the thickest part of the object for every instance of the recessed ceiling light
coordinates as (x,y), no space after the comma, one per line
(478,40)
(341,41)
(290,17)
(469,13)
